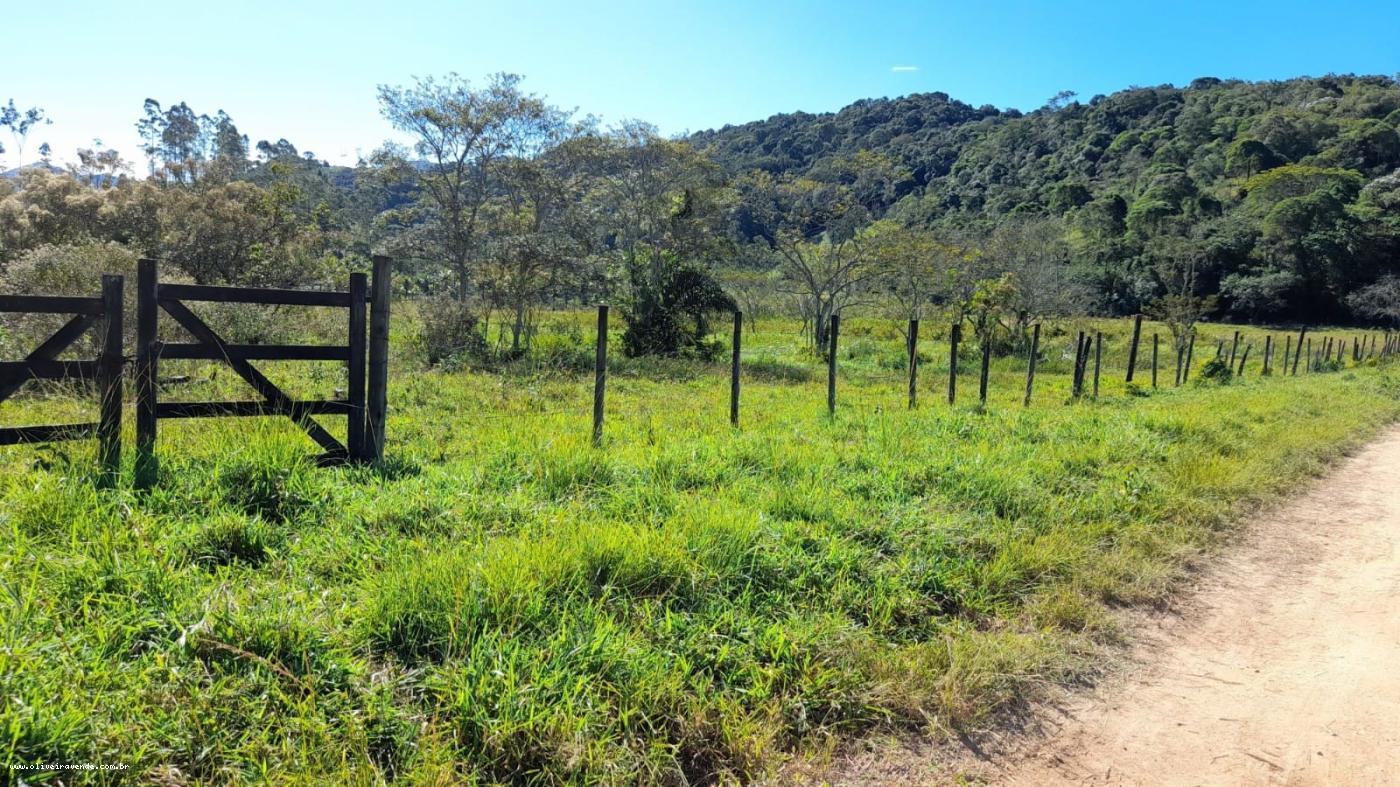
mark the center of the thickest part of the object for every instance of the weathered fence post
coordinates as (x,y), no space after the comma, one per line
(913,363)
(953,337)
(1077,385)
(1190,351)
(1311,360)
(109,424)
(1298,350)
(986,367)
(146,361)
(735,348)
(1234,348)
(1030,366)
(357,423)
(377,404)
(1098,359)
(1244,357)
(832,337)
(1133,348)
(600,374)
(1268,353)
(1154,359)
(1180,357)
(1287,351)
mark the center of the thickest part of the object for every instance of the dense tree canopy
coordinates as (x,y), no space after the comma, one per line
(1267,177)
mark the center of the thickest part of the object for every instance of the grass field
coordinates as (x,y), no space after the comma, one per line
(502,602)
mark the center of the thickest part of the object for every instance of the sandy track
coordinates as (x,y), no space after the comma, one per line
(1286,669)
(1280,667)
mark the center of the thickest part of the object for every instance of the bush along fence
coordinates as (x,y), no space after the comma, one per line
(365,353)
(1087,369)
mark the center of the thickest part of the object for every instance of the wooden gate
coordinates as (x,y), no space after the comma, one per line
(365,402)
(43,364)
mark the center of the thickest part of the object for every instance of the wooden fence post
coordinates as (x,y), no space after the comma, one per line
(377,404)
(1098,359)
(913,363)
(109,425)
(953,337)
(735,349)
(1268,352)
(1077,384)
(1154,359)
(986,367)
(1030,366)
(1234,348)
(1311,361)
(1133,348)
(831,345)
(146,362)
(1287,351)
(1298,351)
(600,374)
(1190,351)
(357,421)
(1081,361)
(1243,358)
(1180,356)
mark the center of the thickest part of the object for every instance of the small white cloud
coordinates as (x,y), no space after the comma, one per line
(903,69)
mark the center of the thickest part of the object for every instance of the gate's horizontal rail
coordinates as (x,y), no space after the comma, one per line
(14,435)
(294,410)
(255,352)
(16,371)
(49,304)
(206,292)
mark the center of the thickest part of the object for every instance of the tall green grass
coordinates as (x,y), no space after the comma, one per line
(503,603)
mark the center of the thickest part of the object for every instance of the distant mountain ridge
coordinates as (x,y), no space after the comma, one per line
(14,173)
(915,127)
(976,158)
(1286,194)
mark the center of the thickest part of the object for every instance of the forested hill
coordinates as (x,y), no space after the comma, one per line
(1004,160)
(922,130)
(1284,188)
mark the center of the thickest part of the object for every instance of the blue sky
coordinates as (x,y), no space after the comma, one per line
(307,71)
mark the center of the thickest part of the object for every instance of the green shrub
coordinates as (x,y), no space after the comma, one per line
(451,331)
(670,315)
(1217,371)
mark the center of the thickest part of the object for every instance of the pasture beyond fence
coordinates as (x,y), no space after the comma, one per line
(1088,349)
(366,351)
(365,354)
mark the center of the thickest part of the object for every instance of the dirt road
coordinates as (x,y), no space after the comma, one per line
(1285,669)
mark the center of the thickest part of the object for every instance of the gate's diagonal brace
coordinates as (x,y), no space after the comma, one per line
(51,349)
(265,387)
